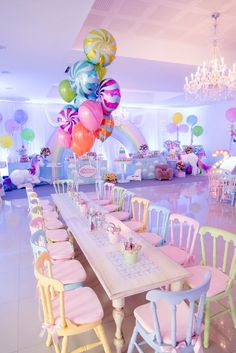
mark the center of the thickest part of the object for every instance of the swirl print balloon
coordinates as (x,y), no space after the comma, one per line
(67,118)
(105,129)
(84,79)
(109,95)
(100,47)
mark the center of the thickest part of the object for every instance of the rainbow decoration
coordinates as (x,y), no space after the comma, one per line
(127,134)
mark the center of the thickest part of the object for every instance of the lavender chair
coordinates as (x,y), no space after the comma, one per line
(167,323)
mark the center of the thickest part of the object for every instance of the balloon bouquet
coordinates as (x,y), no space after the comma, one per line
(94,97)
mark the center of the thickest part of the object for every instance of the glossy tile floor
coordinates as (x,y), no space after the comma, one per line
(19,313)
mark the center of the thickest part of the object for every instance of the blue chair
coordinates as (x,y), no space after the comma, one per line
(70,272)
(158,217)
(167,323)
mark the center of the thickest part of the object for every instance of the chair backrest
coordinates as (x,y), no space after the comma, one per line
(139,208)
(63,186)
(117,193)
(99,188)
(223,254)
(126,201)
(107,191)
(195,312)
(35,211)
(183,231)
(158,217)
(49,288)
(38,243)
(37,223)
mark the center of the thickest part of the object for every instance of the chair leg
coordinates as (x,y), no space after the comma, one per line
(133,340)
(64,344)
(101,334)
(232,309)
(57,348)
(206,325)
(49,340)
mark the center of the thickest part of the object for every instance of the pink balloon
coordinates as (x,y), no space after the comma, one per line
(64,138)
(171,128)
(90,115)
(231,115)
(183,128)
(11,126)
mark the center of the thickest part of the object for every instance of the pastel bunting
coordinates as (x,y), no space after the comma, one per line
(84,79)
(105,129)
(67,118)
(100,47)
(109,95)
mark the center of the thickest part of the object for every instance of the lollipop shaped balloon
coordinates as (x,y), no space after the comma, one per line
(84,79)
(67,118)
(105,129)
(109,95)
(100,47)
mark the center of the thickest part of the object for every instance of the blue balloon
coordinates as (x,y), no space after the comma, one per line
(192,120)
(20,116)
(71,107)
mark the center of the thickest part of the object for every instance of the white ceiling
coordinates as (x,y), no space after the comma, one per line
(159,43)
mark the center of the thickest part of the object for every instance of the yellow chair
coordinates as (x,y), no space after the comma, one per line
(222,265)
(139,207)
(63,186)
(68,313)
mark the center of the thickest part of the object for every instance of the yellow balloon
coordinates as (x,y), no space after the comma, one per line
(177,118)
(6,141)
(101,71)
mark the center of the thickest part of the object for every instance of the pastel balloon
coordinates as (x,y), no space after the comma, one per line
(91,115)
(64,139)
(79,100)
(20,116)
(106,128)
(197,130)
(231,115)
(67,118)
(109,95)
(192,120)
(6,141)
(27,135)
(101,71)
(183,128)
(11,126)
(171,128)
(66,91)
(84,78)
(82,139)
(100,47)
(177,118)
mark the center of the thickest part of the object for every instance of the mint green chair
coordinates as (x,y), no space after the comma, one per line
(222,264)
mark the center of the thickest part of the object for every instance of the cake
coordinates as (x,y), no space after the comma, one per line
(122,154)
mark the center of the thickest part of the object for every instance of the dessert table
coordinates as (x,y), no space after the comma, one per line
(123,163)
(119,280)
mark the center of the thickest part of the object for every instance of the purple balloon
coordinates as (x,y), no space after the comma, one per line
(171,128)
(183,128)
(231,115)
(20,116)
(11,126)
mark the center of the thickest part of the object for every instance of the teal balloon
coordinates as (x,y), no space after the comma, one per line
(197,130)
(192,120)
(27,135)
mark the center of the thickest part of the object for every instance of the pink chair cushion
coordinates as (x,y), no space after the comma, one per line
(152,238)
(61,251)
(54,224)
(104,202)
(68,272)
(134,226)
(48,208)
(57,235)
(82,306)
(121,215)
(144,316)
(44,202)
(51,214)
(178,255)
(218,282)
(111,207)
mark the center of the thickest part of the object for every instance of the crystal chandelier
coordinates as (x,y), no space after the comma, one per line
(213,81)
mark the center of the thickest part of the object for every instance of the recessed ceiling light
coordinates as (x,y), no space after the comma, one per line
(2,47)
(5,72)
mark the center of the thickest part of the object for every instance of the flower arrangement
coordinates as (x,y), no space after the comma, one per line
(180,165)
(110,177)
(188,149)
(45,152)
(143,148)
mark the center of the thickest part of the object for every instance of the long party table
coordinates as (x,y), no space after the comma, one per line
(119,280)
